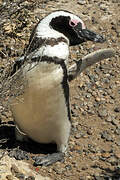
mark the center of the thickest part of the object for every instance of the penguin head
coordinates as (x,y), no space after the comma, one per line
(72,27)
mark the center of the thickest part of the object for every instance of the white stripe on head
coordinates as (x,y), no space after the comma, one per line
(44,30)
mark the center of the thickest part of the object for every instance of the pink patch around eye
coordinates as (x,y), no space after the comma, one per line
(74,22)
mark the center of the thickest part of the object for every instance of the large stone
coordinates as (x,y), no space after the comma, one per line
(14,169)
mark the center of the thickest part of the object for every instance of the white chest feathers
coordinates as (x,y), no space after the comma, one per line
(43,113)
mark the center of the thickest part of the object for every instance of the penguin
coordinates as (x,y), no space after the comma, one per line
(43,113)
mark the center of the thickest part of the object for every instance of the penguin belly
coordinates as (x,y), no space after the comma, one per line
(42,114)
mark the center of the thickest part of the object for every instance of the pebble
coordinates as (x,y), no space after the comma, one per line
(115,122)
(118,142)
(106,155)
(89,131)
(80,135)
(9,177)
(117,155)
(81,2)
(1,108)
(117,109)
(105,135)
(59,170)
(110,118)
(94,21)
(88,95)
(92,148)
(102,113)
(112,160)
(111,101)
(18,154)
(14,169)
(97,176)
(30,178)
(115,1)
(20,176)
(68,173)
(68,167)
(96,164)
(117,131)
(103,7)
(86,166)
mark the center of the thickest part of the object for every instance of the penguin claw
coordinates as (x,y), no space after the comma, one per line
(49,159)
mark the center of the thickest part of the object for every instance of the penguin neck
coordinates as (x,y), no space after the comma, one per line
(56,51)
(45,75)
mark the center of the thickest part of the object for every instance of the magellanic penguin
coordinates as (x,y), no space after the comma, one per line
(44,113)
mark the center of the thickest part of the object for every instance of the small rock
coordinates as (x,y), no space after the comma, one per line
(30,178)
(105,135)
(1,108)
(20,176)
(102,113)
(118,143)
(117,155)
(117,109)
(115,1)
(94,21)
(88,95)
(111,101)
(81,2)
(97,99)
(112,160)
(74,114)
(96,165)
(14,169)
(115,122)
(102,158)
(106,155)
(68,167)
(89,131)
(79,135)
(97,176)
(9,177)
(58,170)
(19,154)
(92,148)
(110,118)
(117,131)
(85,167)
(68,173)
(106,80)
(91,111)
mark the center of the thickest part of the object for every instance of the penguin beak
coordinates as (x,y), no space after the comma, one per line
(91,36)
(87,35)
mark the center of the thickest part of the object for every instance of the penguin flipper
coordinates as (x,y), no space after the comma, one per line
(88,60)
(17,65)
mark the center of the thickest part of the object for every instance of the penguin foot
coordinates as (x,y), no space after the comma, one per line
(49,159)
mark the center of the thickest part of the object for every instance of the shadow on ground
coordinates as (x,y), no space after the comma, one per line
(8,141)
(112,175)
(20,150)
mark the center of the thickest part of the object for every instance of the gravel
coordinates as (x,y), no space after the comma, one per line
(19,154)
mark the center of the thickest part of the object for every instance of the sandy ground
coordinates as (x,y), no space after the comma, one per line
(94,146)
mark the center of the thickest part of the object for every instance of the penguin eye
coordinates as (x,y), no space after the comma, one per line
(73,23)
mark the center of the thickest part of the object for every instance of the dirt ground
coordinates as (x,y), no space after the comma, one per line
(94,145)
